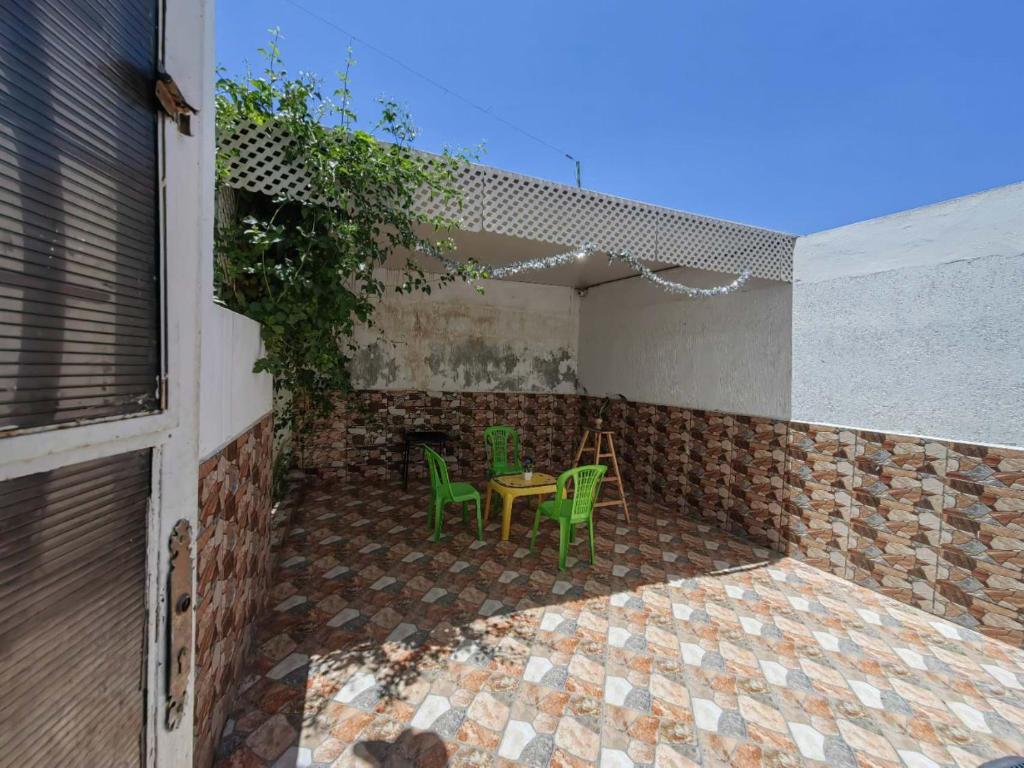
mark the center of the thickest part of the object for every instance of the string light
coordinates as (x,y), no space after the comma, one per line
(509,270)
(559,259)
(680,288)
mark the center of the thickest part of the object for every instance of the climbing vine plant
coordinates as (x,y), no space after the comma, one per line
(303,267)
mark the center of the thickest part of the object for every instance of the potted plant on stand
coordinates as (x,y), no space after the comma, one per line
(594,409)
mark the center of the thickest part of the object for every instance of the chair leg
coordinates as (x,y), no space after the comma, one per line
(438,514)
(465,512)
(591,528)
(563,542)
(536,525)
(479,522)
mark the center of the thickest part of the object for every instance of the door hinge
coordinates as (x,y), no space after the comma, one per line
(173,103)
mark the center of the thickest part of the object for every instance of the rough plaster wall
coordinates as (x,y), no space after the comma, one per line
(915,322)
(988,223)
(728,353)
(514,337)
(925,350)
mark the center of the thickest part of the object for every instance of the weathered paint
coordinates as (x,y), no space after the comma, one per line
(513,337)
(372,363)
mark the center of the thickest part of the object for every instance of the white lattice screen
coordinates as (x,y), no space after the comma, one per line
(507,203)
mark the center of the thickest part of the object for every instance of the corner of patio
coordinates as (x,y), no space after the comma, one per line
(782,591)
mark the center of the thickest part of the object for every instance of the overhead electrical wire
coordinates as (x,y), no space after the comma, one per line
(440,86)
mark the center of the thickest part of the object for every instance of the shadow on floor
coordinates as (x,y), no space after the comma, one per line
(412,749)
(366,611)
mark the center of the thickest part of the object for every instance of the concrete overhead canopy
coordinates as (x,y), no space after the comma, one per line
(505,217)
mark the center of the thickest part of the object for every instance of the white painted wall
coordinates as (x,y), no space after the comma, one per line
(728,353)
(231,397)
(513,337)
(914,322)
(989,223)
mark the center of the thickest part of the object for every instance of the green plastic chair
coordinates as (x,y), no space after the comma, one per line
(570,512)
(443,492)
(502,445)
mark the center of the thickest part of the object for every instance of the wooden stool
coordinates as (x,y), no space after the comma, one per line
(612,476)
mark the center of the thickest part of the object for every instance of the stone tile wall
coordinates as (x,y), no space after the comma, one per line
(365,438)
(233,574)
(932,523)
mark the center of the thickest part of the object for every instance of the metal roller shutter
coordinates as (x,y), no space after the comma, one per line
(73,624)
(79,310)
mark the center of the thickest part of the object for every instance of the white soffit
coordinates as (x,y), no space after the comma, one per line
(504,203)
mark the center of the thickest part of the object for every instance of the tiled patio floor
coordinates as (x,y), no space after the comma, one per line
(681,646)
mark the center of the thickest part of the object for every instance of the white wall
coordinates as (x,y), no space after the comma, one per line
(989,223)
(728,353)
(914,322)
(513,337)
(911,323)
(231,397)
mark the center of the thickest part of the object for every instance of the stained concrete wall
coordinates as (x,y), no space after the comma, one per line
(914,323)
(513,337)
(727,353)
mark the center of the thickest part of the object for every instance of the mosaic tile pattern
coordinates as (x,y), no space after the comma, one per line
(233,546)
(934,524)
(758,479)
(364,438)
(980,567)
(931,523)
(896,515)
(819,479)
(681,646)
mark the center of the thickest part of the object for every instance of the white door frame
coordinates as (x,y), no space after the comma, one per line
(186,176)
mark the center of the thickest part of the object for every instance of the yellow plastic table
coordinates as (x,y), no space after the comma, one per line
(510,488)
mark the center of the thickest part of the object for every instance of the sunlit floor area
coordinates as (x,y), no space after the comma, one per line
(680,646)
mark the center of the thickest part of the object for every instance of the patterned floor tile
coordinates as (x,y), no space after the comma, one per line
(681,646)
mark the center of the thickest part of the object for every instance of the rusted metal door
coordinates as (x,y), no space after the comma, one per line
(80,331)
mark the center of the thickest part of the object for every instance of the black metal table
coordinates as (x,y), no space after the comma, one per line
(433,438)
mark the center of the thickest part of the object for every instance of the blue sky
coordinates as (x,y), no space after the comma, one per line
(797,115)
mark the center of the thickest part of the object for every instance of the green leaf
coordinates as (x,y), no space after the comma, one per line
(304,269)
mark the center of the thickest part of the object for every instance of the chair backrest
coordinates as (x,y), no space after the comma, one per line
(438,470)
(502,443)
(586,483)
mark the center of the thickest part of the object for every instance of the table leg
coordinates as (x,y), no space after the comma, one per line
(506,514)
